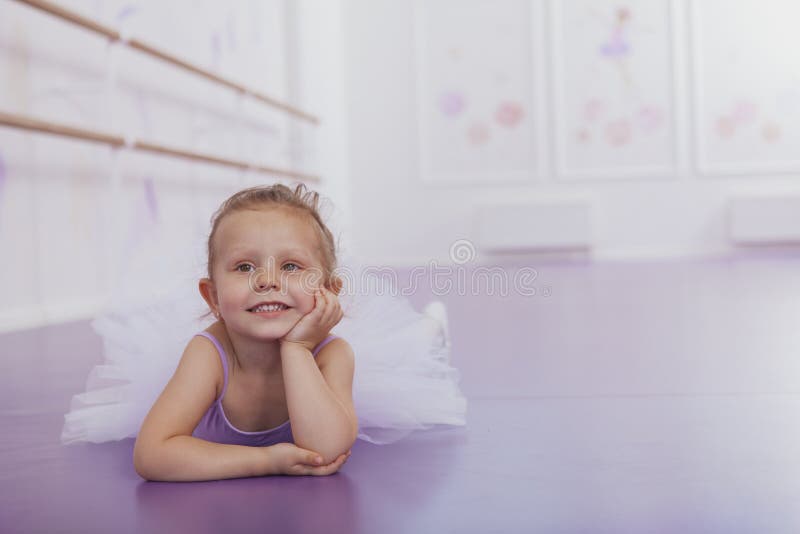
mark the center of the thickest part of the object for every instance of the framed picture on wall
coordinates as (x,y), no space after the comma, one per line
(613,88)
(746,86)
(476,90)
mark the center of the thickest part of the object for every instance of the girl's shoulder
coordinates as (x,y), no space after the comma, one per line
(332,347)
(332,340)
(194,387)
(212,352)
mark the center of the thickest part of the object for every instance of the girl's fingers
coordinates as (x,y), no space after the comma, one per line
(333,467)
(332,309)
(313,459)
(324,304)
(326,317)
(319,305)
(323,470)
(336,312)
(306,457)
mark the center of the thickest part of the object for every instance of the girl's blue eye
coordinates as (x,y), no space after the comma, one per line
(296,267)
(247,269)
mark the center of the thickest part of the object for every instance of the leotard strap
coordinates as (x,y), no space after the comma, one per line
(323,343)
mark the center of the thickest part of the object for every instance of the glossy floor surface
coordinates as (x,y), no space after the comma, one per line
(620,398)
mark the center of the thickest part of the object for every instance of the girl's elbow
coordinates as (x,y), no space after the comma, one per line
(336,447)
(143,461)
(145,474)
(141,467)
(353,436)
(140,464)
(350,440)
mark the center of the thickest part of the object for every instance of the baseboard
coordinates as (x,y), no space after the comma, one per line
(30,317)
(759,220)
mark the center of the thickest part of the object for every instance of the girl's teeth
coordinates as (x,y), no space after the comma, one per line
(270,308)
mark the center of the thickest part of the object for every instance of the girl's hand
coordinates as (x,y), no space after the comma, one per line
(289,459)
(314,326)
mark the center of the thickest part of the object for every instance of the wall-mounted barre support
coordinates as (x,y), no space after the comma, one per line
(114,35)
(36,125)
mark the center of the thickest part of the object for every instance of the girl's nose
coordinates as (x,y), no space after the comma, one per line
(263,280)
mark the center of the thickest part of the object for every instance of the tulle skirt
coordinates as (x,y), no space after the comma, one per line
(403,377)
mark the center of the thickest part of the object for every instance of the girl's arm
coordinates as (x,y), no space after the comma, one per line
(186,459)
(319,397)
(165,449)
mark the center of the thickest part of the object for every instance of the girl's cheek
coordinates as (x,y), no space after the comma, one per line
(307,283)
(304,298)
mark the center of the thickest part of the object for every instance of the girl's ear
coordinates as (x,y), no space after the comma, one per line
(335,285)
(209,294)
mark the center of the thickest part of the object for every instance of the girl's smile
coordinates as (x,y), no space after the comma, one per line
(270,309)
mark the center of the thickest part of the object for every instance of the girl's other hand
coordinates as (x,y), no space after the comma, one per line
(289,459)
(314,326)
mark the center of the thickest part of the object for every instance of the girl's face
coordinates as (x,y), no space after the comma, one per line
(268,255)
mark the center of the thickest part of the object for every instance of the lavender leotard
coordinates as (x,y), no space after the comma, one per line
(214,426)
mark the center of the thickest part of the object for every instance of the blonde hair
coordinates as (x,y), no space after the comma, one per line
(300,198)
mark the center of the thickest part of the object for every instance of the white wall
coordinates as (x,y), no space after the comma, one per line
(65,229)
(79,221)
(320,85)
(404,219)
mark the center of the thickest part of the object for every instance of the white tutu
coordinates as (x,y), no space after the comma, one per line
(403,378)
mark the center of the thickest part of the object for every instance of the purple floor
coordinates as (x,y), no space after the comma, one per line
(651,397)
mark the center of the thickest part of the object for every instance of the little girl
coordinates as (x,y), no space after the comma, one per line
(267,388)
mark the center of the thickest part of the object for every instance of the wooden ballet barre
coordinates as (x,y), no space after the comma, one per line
(114,35)
(36,125)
